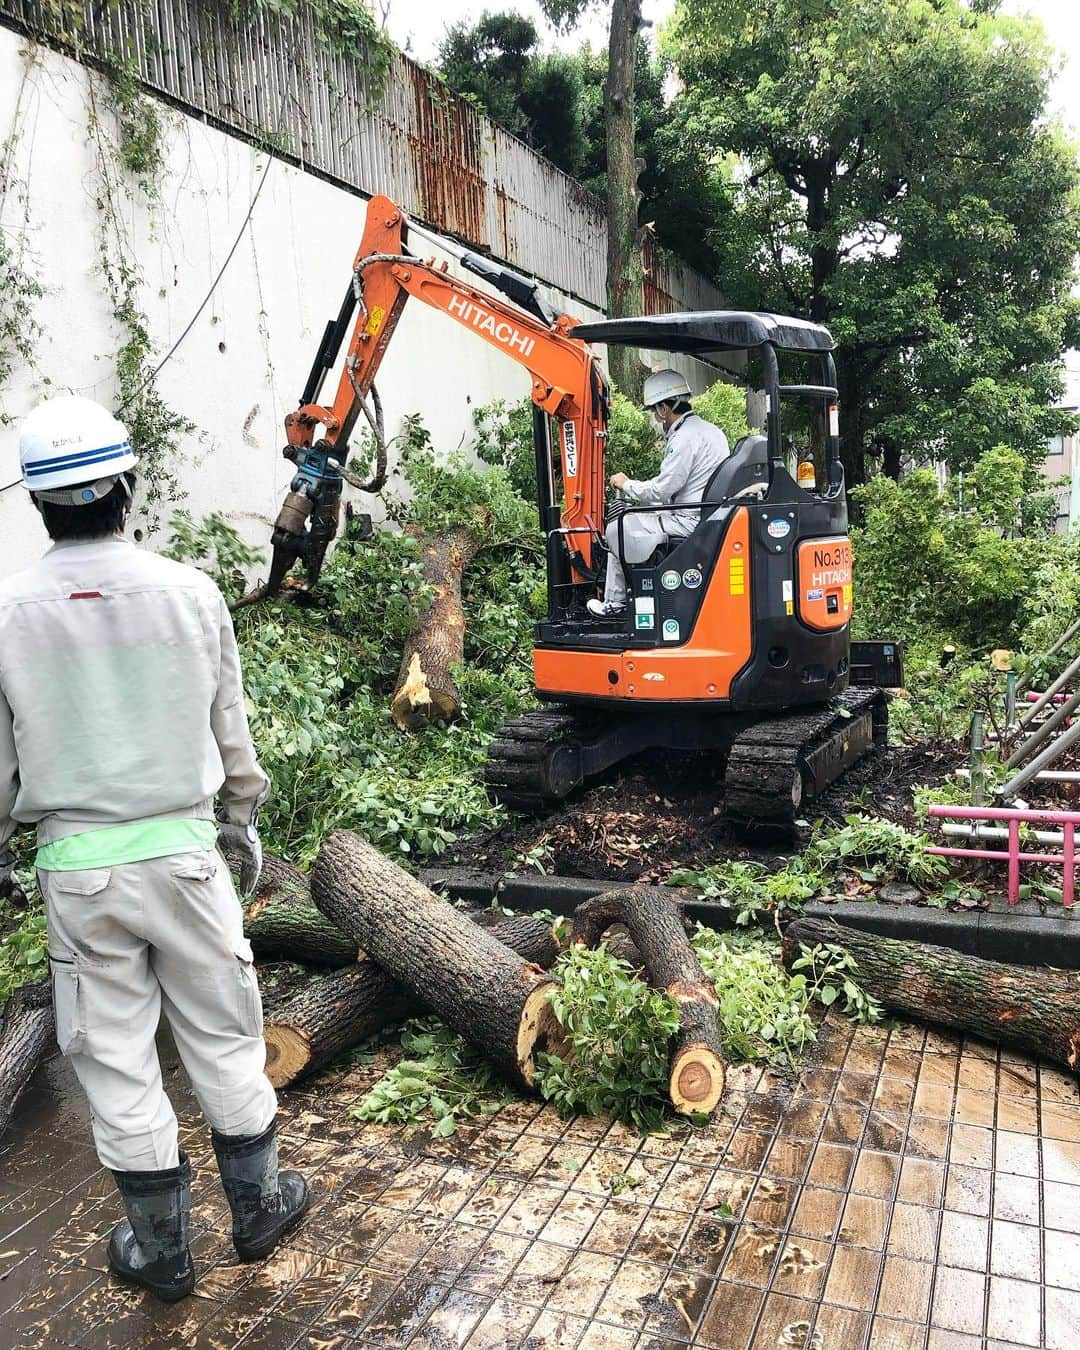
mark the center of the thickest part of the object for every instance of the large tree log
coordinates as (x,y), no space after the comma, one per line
(282,923)
(497,1001)
(27,1032)
(696,1075)
(425,689)
(1033,1009)
(326,1014)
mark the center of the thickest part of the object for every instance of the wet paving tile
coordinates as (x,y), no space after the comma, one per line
(909,1190)
(913,1231)
(963,1242)
(730,1317)
(853,1278)
(958,1301)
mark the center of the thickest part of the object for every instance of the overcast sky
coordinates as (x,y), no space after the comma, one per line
(1061,19)
(423,22)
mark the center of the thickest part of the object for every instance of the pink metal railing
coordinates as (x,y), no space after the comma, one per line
(1014,817)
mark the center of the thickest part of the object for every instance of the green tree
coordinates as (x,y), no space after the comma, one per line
(900,180)
(497,64)
(684,200)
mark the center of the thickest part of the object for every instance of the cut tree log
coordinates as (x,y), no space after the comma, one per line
(282,923)
(495,999)
(313,1022)
(697,1067)
(1034,1009)
(425,689)
(27,1032)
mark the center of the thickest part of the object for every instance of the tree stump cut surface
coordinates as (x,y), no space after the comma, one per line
(697,1068)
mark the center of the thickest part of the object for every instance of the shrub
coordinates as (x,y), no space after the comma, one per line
(958,565)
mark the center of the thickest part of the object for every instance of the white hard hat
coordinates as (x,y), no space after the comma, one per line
(75,445)
(662,386)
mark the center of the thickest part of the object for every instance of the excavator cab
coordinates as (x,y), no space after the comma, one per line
(736,637)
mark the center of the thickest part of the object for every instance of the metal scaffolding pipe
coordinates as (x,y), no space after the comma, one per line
(1044,730)
(1048,695)
(1041,761)
(1068,633)
(1057,646)
(1058,776)
(998,832)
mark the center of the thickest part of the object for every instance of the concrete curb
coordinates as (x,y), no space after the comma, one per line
(561,895)
(1013,934)
(1018,935)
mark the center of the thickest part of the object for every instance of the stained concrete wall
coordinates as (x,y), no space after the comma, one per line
(245,361)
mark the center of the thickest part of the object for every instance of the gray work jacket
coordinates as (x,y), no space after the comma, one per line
(694,450)
(120,694)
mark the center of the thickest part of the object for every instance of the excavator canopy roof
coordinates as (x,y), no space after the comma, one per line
(705,331)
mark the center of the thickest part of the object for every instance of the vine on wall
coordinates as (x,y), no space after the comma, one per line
(20,289)
(154,427)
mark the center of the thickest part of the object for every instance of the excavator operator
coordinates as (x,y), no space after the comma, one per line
(695,449)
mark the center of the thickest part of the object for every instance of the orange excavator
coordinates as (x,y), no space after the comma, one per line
(736,639)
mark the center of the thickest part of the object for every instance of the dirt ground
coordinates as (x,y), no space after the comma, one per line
(662,812)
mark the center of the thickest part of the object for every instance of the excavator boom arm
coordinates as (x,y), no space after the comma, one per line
(566,381)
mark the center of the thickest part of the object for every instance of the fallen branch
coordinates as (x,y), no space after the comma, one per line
(27,1032)
(494,998)
(1034,1009)
(425,689)
(696,1078)
(315,1021)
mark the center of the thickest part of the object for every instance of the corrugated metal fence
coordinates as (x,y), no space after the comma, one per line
(403,134)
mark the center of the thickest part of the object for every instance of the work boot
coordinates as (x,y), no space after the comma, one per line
(150,1246)
(265,1203)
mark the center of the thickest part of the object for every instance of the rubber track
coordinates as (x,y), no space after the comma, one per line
(516,770)
(764,759)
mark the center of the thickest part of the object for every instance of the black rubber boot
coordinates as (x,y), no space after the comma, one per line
(150,1246)
(265,1203)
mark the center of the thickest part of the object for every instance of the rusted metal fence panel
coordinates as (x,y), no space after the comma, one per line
(275,80)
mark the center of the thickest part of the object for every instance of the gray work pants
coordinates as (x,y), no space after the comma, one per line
(642,533)
(126,942)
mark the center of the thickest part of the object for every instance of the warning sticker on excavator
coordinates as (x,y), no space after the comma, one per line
(737,576)
(375,320)
(569,440)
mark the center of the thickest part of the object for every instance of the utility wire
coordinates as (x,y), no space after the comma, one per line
(205,301)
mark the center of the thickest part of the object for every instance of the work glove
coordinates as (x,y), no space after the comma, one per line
(10,889)
(244,844)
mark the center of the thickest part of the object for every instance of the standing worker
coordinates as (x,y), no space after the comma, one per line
(121,716)
(695,448)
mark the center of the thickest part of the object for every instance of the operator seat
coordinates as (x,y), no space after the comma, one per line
(745,472)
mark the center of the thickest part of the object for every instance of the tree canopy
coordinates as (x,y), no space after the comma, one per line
(555,104)
(498,64)
(899,180)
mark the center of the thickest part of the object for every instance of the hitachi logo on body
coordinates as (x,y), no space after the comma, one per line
(484,322)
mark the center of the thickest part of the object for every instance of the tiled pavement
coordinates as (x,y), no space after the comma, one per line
(913,1191)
